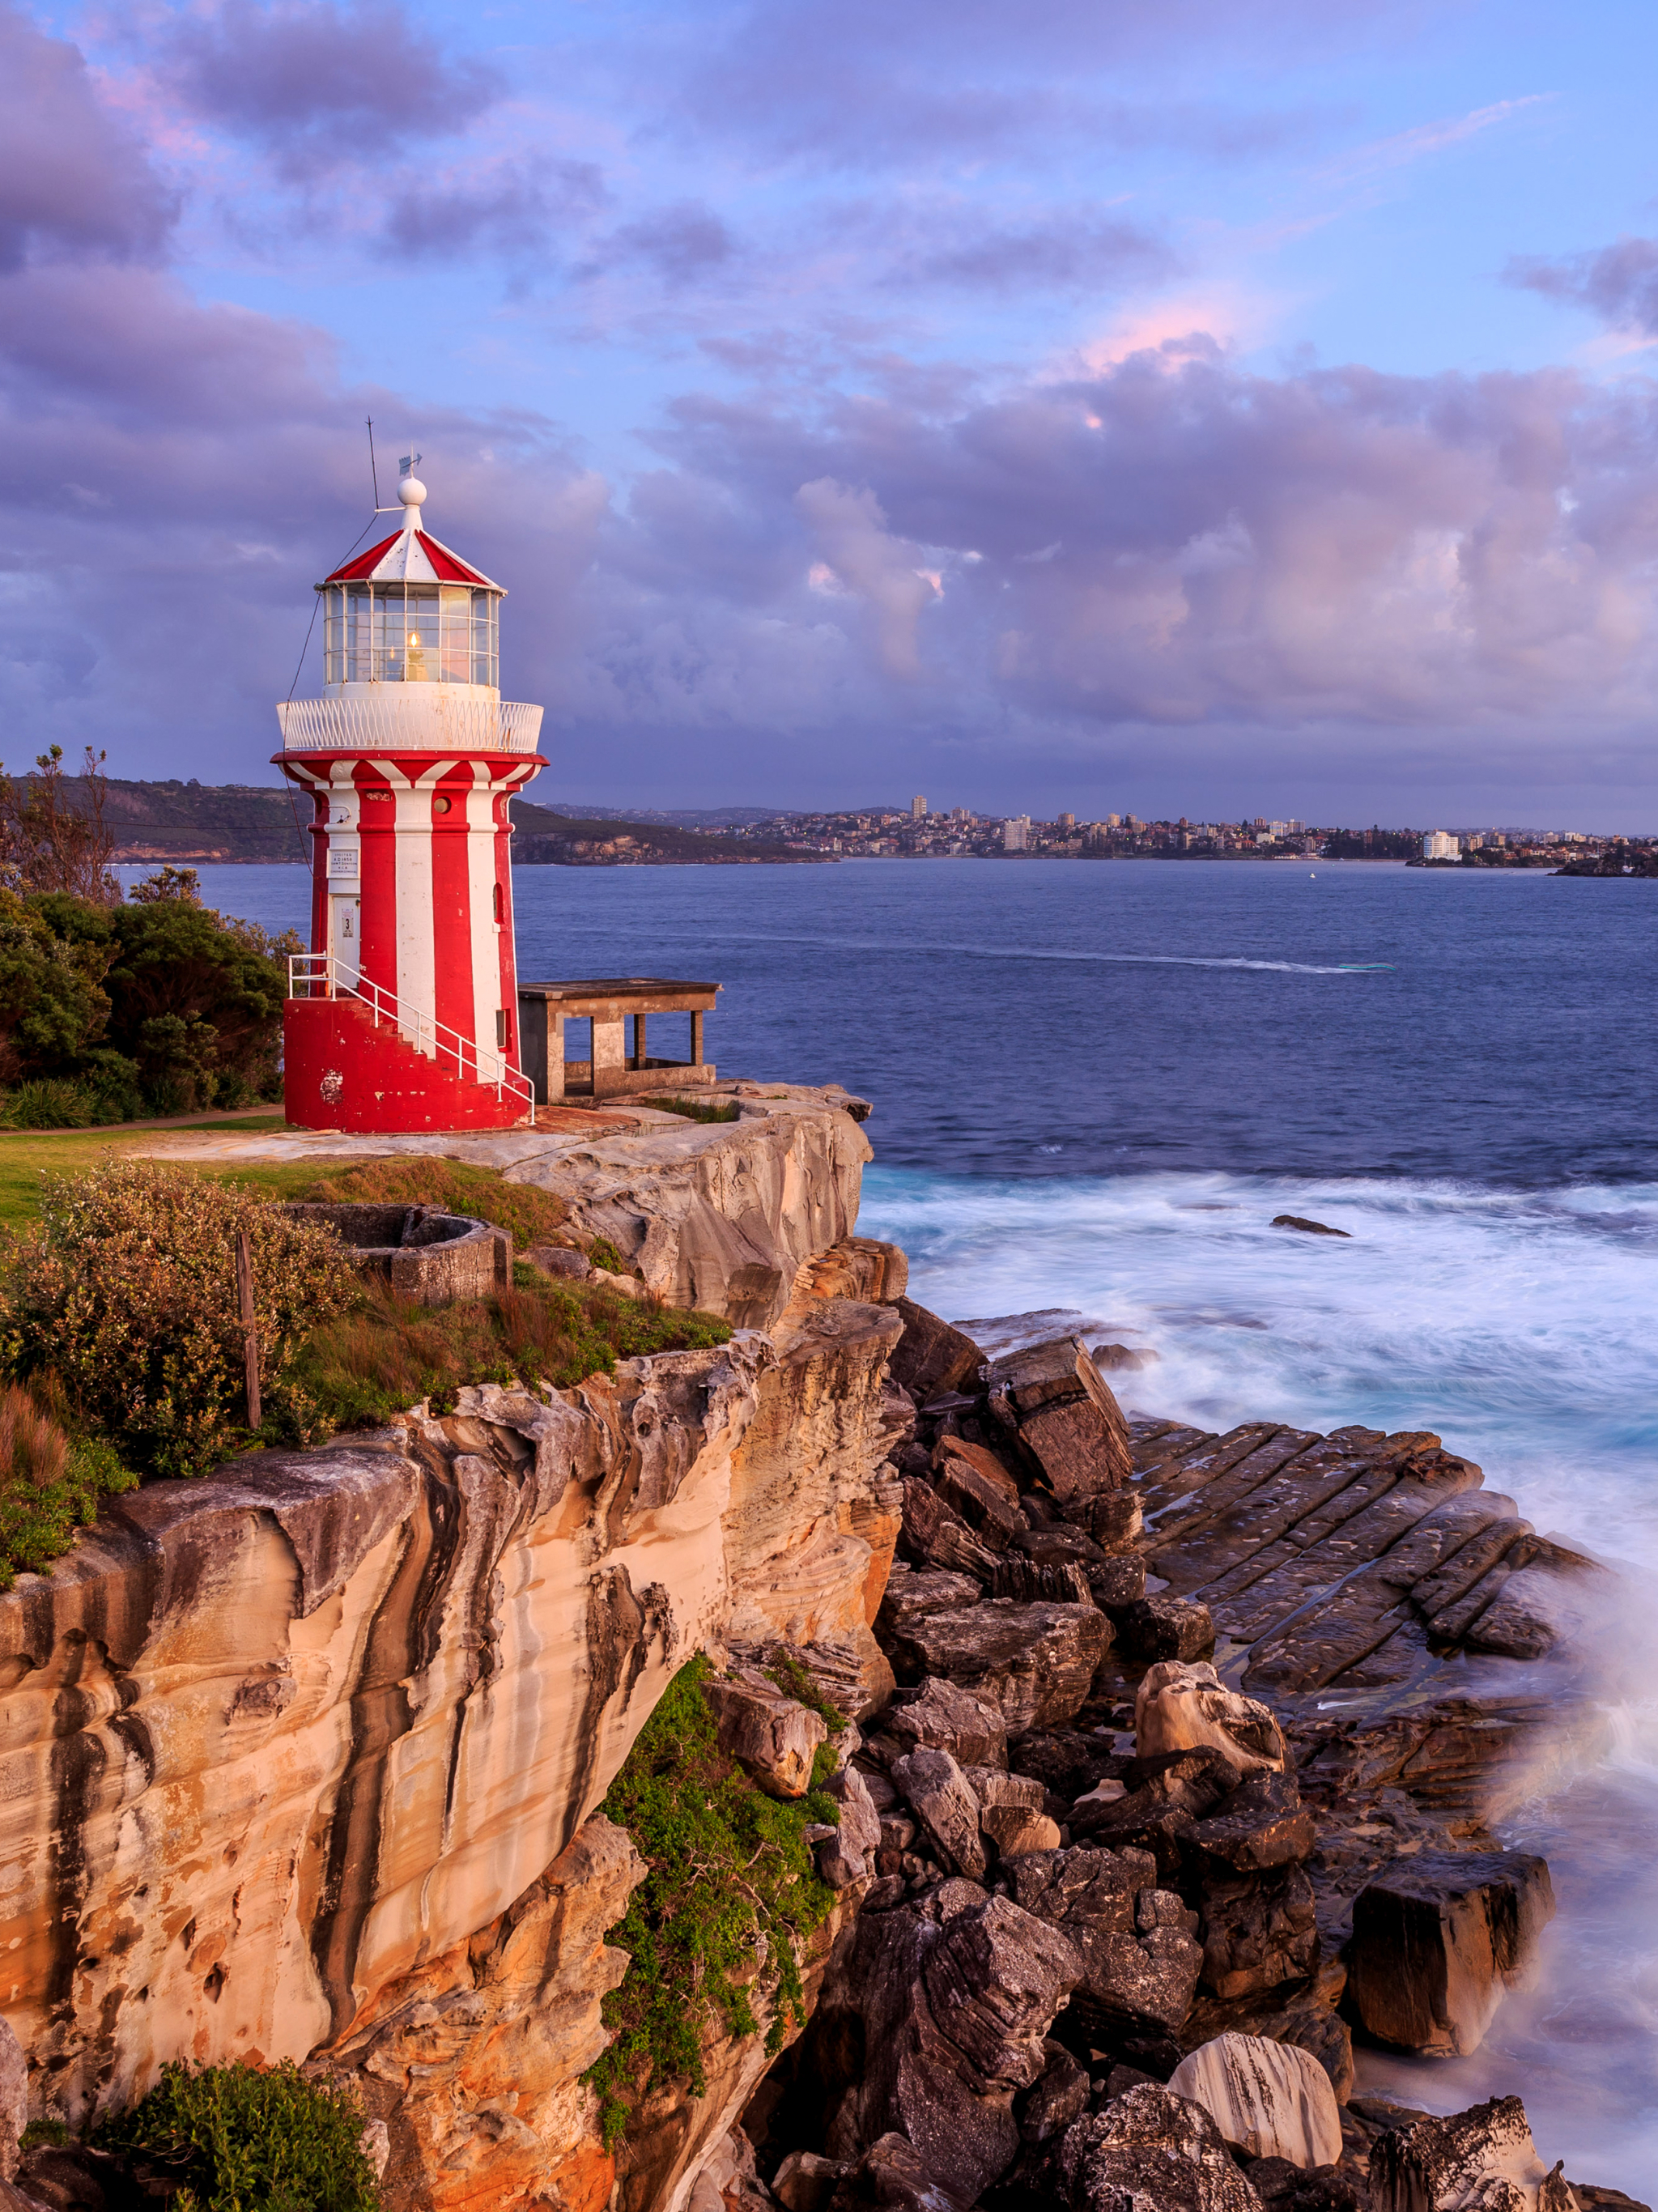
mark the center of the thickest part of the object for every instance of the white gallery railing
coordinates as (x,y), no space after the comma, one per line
(429,717)
(321,975)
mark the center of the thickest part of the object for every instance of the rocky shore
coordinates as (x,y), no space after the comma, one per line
(1187,1779)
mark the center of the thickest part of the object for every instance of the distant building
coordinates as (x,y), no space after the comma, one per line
(1067,821)
(1440,845)
(917,808)
(1016,834)
(1113,821)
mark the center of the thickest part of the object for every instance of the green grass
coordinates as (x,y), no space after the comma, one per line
(27,1154)
(695,1109)
(379,1360)
(732,1888)
(249,2138)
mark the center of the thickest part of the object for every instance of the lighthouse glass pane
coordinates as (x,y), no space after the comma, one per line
(408,633)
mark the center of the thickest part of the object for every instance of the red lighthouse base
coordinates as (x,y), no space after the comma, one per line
(343,1070)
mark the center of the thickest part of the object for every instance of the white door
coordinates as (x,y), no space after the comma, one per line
(347,924)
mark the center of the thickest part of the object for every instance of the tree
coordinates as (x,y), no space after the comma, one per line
(53,837)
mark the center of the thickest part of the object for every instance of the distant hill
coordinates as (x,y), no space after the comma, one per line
(610,842)
(186,823)
(189,824)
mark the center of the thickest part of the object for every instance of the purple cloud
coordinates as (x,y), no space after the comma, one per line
(75,182)
(677,244)
(1062,253)
(316,83)
(510,208)
(1619,284)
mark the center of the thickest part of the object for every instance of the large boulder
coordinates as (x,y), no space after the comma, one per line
(1151,2151)
(772,1736)
(850,1854)
(934,1535)
(13,2099)
(1261,1823)
(1165,1627)
(950,1719)
(1036,1662)
(931,1358)
(891,2178)
(1259,1932)
(1070,1428)
(911,1597)
(1480,2161)
(970,1478)
(1181,1707)
(949,2000)
(1437,1940)
(943,1801)
(1139,1960)
(1268,2099)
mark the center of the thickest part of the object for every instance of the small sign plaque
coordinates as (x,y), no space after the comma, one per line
(341,863)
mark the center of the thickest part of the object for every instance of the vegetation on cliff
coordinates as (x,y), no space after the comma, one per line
(714,1929)
(122,1345)
(250,2139)
(126,1294)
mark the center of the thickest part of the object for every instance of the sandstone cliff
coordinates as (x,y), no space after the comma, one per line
(302,1760)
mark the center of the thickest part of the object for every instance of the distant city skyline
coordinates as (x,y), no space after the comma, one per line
(1063,407)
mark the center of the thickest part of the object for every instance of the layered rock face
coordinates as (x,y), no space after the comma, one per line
(303,1760)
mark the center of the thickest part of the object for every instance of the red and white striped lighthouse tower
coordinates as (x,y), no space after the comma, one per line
(403,1015)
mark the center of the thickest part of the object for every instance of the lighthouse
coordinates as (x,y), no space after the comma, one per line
(403,1015)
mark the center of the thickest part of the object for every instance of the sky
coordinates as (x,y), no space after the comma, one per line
(1089,405)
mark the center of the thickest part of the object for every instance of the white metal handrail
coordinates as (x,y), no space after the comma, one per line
(322,975)
(422,715)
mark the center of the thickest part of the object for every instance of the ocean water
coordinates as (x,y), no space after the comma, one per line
(1096,1084)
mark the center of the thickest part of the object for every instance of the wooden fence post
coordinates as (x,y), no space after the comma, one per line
(250,1334)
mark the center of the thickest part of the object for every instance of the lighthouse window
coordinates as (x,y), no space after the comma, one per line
(410,634)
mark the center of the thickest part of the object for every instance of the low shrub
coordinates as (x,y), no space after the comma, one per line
(378,1360)
(718,1921)
(248,2138)
(534,1217)
(127,1290)
(697,1109)
(51,1483)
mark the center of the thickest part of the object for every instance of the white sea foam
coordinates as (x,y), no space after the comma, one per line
(1519,1325)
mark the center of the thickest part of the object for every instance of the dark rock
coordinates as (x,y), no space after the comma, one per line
(1434,2162)
(71,2177)
(1259,1932)
(805,2183)
(1059,2097)
(930,1357)
(910,1597)
(1439,1938)
(950,1719)
(1591,2199)
(1261,1823)
(952,2008)
(850,1854)
(1116,1582)
(1165,1628)
(1166,1795)
(1111,1358)
(1069,1426)
(1114,1521)
(891,2178)
(1308,1228)
(944,1802)
(1135,1975)
(1026,1583)
(1150,2151)
(973,1482)
(1122,2079)
(1035,1662)
(1282,2187)
(1065,1761)
(935,1537)
(1048,1546)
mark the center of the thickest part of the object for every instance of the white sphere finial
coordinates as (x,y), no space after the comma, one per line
(410,491)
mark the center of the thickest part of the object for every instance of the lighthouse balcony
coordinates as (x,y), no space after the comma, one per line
(425,717)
